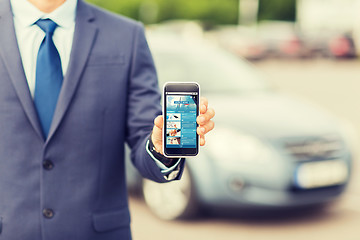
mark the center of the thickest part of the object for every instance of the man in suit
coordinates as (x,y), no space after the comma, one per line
(76,84)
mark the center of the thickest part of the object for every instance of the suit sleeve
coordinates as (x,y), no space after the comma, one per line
(143,106)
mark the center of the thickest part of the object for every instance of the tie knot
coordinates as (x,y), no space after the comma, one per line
(47,25)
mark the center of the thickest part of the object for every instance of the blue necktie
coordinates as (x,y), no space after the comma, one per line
(49,76)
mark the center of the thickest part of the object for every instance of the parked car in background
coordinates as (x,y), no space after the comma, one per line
(337,20)
(268,39)
(330,44)
(342,46)
(242,41)
(282,39)
(268,149)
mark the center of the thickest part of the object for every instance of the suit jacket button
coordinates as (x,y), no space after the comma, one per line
(48,165)
(48,213)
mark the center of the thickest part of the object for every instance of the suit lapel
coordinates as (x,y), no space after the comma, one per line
(10,54)
(84,36)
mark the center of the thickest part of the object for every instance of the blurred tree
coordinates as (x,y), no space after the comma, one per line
(150,11)
(209,11)
(213,11)
(284,10)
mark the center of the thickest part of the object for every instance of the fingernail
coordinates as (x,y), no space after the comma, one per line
(202,130)
(201,119)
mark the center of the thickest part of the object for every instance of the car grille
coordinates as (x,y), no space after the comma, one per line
(315,148)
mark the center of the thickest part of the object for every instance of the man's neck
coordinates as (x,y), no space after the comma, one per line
(47,6)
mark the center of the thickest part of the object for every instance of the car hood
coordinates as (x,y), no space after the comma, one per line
(272,115)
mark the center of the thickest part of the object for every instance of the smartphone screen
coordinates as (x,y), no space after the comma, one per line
(181,109)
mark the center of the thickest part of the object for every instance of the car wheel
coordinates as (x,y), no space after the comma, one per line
(173,200)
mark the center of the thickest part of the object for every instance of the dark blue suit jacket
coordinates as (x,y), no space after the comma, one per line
(109,96)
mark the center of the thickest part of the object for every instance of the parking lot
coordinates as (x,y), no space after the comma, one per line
(333,85)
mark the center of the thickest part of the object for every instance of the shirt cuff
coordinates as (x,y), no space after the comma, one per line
(169,172)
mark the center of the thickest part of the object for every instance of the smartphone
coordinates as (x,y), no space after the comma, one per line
(180,110)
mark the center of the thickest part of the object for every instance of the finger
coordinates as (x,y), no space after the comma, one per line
(204,101)
(202,140)
(203,109)
(203,105)
(159,121)
(202,130)
(204,118)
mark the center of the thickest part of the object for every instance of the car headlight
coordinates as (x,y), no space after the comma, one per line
(231,148)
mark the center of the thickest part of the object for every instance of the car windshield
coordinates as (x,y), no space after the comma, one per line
(215,70)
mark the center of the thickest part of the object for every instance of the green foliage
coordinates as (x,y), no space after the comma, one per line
(277,10)
(210,11)
(213,11)
(216,11)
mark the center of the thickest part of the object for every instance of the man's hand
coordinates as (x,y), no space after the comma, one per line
(204,121)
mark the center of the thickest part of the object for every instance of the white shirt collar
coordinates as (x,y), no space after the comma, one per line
(27,14)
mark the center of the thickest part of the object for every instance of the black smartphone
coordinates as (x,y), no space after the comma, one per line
(180,110)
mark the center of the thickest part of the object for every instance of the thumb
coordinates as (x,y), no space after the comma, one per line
(159,121)
(156,136)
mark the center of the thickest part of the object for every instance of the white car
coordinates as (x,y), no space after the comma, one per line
(268,149)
